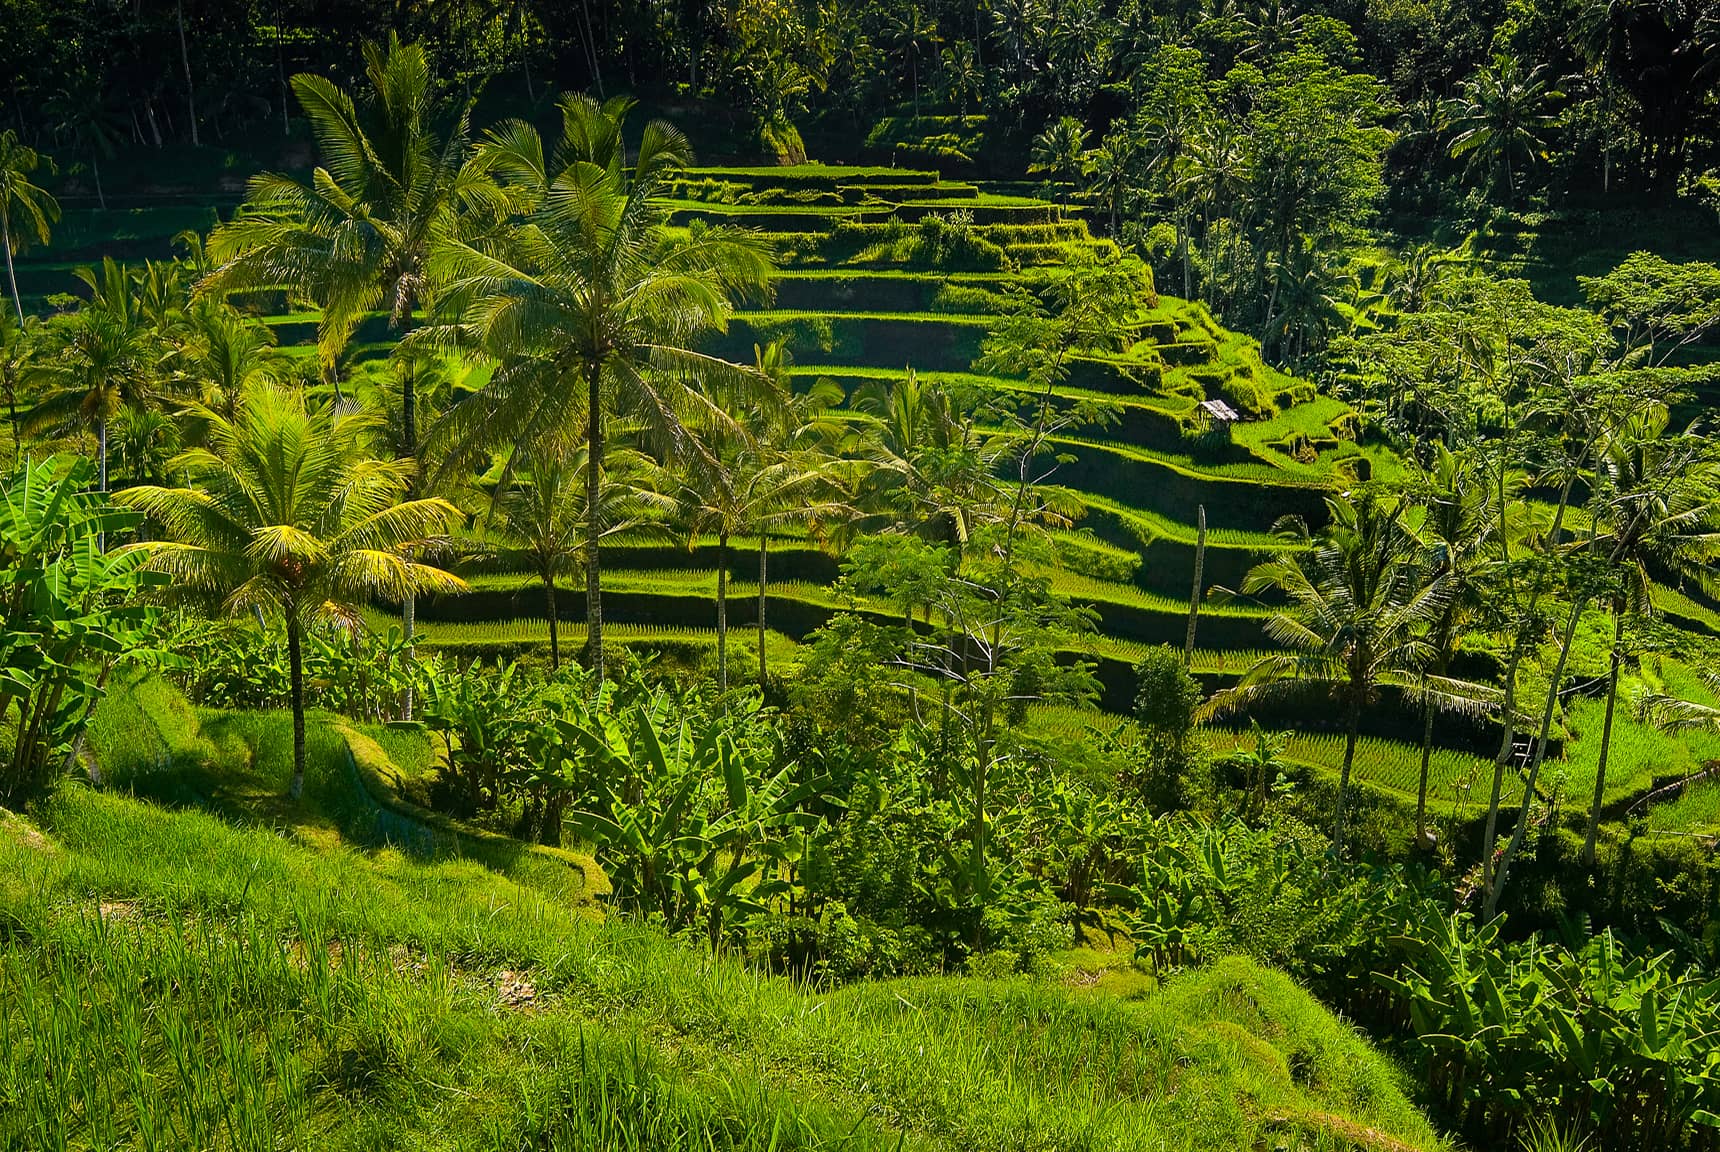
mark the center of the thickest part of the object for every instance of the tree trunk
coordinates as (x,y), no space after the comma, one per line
(763,552)
(1606,738)
(554,638)
(591,51)
(1516,841)
(281,73)
(11,272)
(1271,307)
(408,397)
(296,673)
(593,462)
(17,436)
(96,171)
(1508,706)
(185,60)
(722,612)
(409,434)
(1194,593)
(101,471)
(1421,784)
(981,886)
(1352,729)
(1182,242)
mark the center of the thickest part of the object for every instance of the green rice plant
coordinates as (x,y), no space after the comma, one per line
(1641,754)
(1458,781)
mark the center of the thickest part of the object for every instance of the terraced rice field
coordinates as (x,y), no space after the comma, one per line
(1458,783)
(888,270)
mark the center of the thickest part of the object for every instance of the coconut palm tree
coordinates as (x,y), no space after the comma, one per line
(590,307)
(750,484)
(25,210)
(357,237)
(1111,173)
(815,487)
(1357,609)
(289,514)
(538,518)
(930,472)
(18,364)
(222,355)
(1060,151)
(1456,533)
(1502,117)
(97,362)
(1660,507)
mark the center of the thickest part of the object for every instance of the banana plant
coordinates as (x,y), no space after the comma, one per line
(70,611)
(701,827)
(1508,1031)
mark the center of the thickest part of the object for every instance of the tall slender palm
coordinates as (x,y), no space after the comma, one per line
(1660,506)
(26,211)
(539,520)
(751,485)
(222,355)
(18,367)
(358,236)
(1455,535)
(1357,612)
(931,472)
(1503,117)
(98,362)
(289,514)
(590,307)
(1111,173)
(1060,151)
(815,488)
(84,114)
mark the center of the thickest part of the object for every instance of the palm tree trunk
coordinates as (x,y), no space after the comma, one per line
(1508,705)
(1194,593)
(1182,243)
(1606,738)
(593,577)
(1352,729)
(1516,842)
(409,432)
(1426,763)
(722,612)
(96,171)
(981,886)
(11,272)
(281,72)
(296,673)
(763,551)
(185,60)
(1271,307)
(17,436)
(101,471)
(554,639)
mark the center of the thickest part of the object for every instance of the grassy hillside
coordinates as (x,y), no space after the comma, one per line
(310,986)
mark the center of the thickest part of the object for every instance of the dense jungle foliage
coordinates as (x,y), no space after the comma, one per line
(1178,525)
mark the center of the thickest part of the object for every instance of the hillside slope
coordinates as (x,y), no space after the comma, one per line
(174,978)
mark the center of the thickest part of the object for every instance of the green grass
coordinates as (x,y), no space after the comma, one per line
(175,979)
